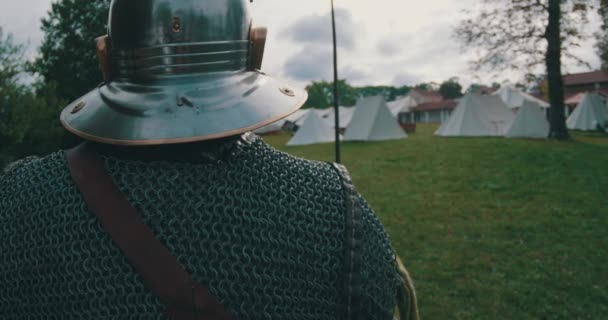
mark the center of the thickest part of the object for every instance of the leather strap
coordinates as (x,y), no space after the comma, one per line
(162,273)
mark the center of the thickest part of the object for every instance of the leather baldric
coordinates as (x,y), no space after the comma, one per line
(161,272)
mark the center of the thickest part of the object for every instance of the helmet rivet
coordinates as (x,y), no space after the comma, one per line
(78,106)
(287,91)
(177,26)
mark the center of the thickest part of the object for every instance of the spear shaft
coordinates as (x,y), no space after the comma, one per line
(336,107)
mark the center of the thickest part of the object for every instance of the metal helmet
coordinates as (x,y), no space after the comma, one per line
(180,71)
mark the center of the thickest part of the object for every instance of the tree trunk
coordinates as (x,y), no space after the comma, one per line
(554,73)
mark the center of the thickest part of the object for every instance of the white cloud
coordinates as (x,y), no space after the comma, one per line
(389,46)
(314,29)
(405,78)
(312,62)
(22,19)
(384,42)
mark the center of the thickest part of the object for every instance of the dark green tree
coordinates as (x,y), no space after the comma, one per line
(67,54)
(320,94)
(450,89)
(521,34)
(399,92)
(369,91)
(29,119)
(602,35)
(10,60)
(389,93)
(424,86)
(11,94)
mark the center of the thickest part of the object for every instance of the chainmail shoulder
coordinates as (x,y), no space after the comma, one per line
(378,267)
(263,229)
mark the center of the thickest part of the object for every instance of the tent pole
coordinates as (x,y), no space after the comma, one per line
(336,108)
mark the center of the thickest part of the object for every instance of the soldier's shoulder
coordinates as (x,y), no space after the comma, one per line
(280,160)
(19,164)
(32,168)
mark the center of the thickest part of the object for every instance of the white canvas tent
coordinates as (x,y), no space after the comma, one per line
(478,115)
(296,115)
(372,120)
(589,114)
(404,104)
(273,127)
(514,98)
(320,112)
(313,130)
(324,112)
(530,122)
(346,115)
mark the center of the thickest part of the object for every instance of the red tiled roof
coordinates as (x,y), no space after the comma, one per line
(573,99)
(430,106)
(585,78)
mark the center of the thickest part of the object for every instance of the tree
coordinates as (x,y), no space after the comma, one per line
(10,93)
(450,89)
(29,119)
(389,93)
(521,34)
(602,35)
(320,94)
(10,60)
(67,54)
(424,86)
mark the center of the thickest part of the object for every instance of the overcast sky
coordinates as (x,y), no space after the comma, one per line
(386,42)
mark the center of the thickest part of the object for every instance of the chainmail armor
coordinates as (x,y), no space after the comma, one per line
(263,229)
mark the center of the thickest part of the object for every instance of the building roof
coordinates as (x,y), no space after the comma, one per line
(585,78)
(441,105)
(573,99)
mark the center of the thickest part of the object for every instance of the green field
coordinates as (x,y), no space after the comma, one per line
(490,228)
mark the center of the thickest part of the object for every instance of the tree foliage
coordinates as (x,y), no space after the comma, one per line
(29,119)
(522,34)
(450,89)
(11,93)
(67,54)
(512,34)
(10,60)
(602,35)
(320,93)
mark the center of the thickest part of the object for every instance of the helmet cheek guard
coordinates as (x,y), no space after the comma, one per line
(103,46)
(256,51)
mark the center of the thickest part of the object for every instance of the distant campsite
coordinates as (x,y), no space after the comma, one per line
(500,111)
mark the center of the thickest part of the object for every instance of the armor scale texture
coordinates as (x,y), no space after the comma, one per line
(263,229)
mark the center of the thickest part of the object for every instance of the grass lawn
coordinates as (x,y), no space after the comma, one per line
(490,228)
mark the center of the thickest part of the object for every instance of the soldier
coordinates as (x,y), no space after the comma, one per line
(172,209)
